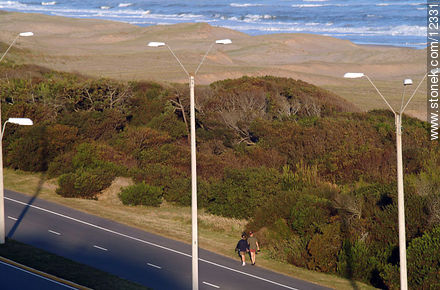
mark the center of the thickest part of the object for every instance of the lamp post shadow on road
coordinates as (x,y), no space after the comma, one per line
(400,188)
(18,121)
(195,258)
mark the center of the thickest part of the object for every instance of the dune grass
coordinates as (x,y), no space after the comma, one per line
(217,234)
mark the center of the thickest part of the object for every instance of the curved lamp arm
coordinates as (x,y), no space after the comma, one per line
(159,44)
(24,34)
(18,121)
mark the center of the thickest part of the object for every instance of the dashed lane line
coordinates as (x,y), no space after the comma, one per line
(154,266)
(12,218)
(100,248)
(54,232)
(212,285)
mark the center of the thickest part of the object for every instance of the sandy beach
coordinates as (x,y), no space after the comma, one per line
(117,50)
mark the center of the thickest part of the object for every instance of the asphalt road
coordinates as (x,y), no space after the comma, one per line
(130,253)
(15,278)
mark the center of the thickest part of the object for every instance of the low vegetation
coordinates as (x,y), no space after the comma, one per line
(314,178)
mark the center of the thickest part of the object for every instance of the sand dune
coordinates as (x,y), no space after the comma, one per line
(117,50)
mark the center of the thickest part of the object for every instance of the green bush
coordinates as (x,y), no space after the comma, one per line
(142,194)
(241,192)
(356,262)
(423,263)
(170,123)
(308,214)
(95,125)
(84,183)
(62,164)
(324,247)
(29,152)
(179,190)
(283,245)
(92,156)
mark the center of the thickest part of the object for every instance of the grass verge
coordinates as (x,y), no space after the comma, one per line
(216,234)
(64,268)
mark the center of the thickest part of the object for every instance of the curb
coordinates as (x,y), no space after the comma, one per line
(43,274)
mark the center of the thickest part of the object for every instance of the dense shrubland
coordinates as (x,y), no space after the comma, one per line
(314,177)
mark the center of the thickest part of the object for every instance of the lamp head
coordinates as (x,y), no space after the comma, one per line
(26,34)
(156,44)
(21,121)
(223,41)
(407,82)
(353,75)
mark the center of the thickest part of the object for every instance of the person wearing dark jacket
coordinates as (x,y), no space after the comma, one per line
(242,248)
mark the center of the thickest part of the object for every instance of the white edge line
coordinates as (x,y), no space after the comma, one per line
(100,248)
(154,266)
(12,218)
(36,275)
(212,285)
(247,274)
(53,232)
(148,243)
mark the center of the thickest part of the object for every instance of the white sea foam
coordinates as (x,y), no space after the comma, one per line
(105,7)
(245,5)
(317,5)
(125,4)
(12,5)
(48,3)
(307,5)
(401,30)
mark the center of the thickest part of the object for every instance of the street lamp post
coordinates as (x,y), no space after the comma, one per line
(195,254)
(22,34)
(15,121)
(400,192)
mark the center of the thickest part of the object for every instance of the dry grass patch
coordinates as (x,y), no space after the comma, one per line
(110,195)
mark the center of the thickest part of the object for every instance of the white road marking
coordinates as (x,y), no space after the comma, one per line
(36,275)
(154,266)
(12,218)
(247,274)
(212,285)
(100,248)
(53,232)
(148,243)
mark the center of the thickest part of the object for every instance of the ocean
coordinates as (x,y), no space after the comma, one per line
(380,22)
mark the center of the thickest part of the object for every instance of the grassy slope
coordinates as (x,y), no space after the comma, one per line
(217,234)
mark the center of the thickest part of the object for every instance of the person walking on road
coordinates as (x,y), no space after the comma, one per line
(242,248)
(253,246)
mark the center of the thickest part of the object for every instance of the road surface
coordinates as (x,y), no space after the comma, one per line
(16,278)
(130,253)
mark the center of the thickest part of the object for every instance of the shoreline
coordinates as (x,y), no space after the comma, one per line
(144,18)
